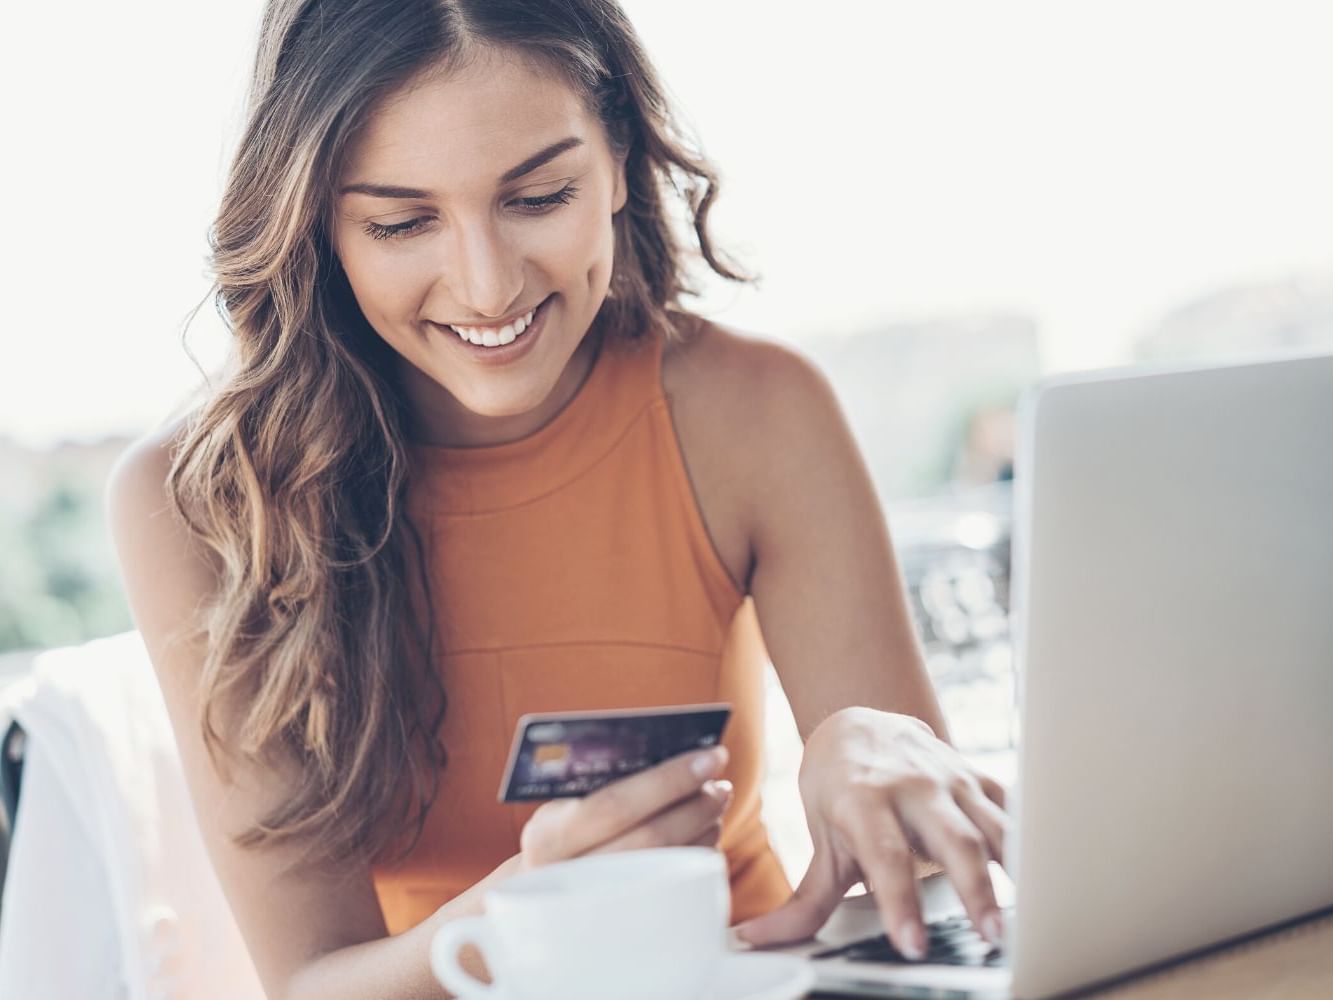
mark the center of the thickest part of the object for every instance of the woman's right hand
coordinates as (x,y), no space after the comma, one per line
(675,803)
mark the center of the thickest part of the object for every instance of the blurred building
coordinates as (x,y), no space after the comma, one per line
(914,394)
(27,474)
(1292,315)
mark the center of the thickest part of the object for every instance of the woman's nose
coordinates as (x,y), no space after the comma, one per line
(485,271)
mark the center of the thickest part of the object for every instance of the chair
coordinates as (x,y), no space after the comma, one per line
(108,890)
(11,776)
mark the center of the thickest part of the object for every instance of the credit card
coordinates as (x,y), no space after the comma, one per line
(562,754)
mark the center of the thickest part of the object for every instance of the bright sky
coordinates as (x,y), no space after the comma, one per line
(1091,164)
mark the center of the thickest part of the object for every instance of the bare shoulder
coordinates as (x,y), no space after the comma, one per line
(160,568)
(136,490)
(763,399)
(136,486)
(752,416)
(727,366)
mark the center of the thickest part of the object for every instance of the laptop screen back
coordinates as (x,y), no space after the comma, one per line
(1173,615)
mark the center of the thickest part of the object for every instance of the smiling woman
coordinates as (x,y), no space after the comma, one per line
(474,455)
(445,220)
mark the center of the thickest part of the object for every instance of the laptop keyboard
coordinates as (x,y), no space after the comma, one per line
(950,941)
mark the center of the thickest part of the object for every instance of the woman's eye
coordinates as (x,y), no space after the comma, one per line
(377,231)
(398,230)
(561,197)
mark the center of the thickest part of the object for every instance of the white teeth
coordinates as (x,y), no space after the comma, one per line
(492,336)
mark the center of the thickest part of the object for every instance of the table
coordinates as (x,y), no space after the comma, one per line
(1294,962)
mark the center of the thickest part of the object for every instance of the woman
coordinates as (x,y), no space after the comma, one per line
(472,459)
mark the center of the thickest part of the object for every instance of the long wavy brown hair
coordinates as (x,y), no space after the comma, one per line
(294,471)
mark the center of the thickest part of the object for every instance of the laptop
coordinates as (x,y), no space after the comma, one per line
(1173,628)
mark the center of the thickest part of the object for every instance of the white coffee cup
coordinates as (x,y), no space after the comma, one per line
(647,924)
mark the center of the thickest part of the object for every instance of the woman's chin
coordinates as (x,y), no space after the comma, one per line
(502,407)
(504,395)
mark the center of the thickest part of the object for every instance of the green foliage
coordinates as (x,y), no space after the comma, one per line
(58,580)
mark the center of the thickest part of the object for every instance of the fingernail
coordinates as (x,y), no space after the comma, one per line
(992,927)
(912,941)
(709,763)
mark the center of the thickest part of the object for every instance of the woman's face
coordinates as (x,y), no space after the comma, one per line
(469,199)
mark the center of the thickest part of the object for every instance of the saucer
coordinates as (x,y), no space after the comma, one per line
(761,976)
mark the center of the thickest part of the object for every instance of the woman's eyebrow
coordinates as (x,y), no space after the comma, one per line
(513,174)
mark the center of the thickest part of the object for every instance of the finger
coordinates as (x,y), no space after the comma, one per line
(956,842)
(544,837)
(679,824)
(810,905)
(622,805)
(990,819)
(710,836)
(993,790)
(881,847)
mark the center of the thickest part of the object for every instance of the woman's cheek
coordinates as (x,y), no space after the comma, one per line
(573,240)
(391,285)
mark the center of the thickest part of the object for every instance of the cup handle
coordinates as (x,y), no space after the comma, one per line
(444,962)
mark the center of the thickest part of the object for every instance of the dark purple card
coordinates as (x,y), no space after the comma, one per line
(560,754)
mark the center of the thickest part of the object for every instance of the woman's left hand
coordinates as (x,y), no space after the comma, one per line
(877,789)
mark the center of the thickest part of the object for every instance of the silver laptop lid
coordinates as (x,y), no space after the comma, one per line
(1173,614)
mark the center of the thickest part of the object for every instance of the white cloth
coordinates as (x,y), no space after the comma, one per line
(109,892)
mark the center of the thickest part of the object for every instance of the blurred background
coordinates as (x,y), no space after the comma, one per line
(946,202)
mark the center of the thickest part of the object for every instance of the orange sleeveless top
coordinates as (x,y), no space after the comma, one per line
(571,570)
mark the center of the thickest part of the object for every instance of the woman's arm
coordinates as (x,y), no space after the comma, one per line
(879,780)
(765,432)
(289,921)
(826,584)
(396,967)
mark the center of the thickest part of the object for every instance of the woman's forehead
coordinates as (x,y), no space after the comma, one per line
(471,123)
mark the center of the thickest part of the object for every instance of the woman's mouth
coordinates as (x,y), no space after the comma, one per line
(501,336)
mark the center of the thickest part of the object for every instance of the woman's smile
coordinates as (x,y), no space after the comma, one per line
(499,345)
